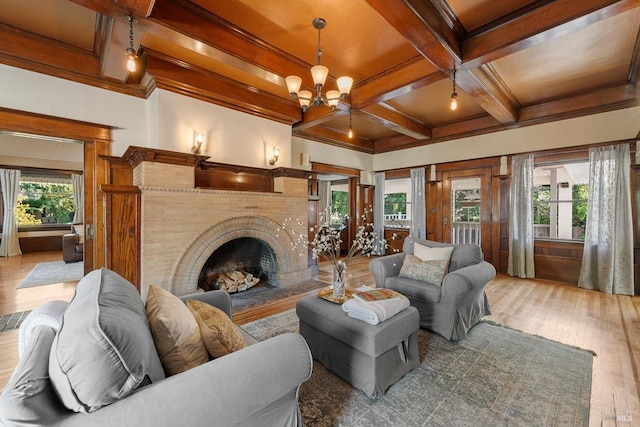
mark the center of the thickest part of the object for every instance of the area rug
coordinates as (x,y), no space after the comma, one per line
(46,273)
(496,376)
(265,293)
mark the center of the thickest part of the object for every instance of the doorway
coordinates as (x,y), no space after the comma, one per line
(466,207)
(96,141)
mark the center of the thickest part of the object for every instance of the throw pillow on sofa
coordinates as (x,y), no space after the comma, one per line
(175,332)
(219,334)
(426,253)
(430,271)
(104,350)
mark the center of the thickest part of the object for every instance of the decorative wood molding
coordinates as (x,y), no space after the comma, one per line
(324,168)
(136,155)
(40,124)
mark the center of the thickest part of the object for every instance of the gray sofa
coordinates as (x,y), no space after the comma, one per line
(255,386)
(451,309)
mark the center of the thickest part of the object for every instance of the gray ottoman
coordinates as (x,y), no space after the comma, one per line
(370,358)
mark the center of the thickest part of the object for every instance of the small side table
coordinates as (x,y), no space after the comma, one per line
(369,357)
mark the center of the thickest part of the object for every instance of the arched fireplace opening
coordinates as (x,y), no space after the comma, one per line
(238,265)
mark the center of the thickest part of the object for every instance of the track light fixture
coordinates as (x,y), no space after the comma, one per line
(454,95)
(130,52)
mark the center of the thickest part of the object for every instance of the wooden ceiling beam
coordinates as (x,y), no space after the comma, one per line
(31,47)
(318,115)
(424,27)
(427,32)
(224,42)
(605,99)
(394,143)
(137,7)
(335,138)
(400,80)
(397,121)
(197,83)
(119,8)
(582,104)
(489,91)
(551,19)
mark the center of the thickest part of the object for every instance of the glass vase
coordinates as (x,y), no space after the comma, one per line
(339,280)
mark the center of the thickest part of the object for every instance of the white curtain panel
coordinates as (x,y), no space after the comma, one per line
(10,186)
(418,208)
(607,259)
(77,181)
(378,212)
(521,218)
(324,192)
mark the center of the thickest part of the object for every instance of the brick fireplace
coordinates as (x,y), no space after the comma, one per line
(181,226)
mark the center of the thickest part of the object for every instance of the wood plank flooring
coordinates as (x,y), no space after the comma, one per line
(608,325)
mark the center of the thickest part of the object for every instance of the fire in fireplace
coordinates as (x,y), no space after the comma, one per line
(239,265)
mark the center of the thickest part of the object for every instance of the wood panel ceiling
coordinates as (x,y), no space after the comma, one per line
(519,62)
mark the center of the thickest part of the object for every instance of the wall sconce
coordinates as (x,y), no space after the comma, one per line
(503,165)
(198,140)
(433,173)
(276,154)
(131,52)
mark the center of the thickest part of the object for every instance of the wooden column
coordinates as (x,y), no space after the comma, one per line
(122,209)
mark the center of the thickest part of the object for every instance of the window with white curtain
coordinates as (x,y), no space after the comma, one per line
(560,195)
(397,203)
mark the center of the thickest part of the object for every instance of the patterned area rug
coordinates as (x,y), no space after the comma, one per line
(497,376)
(46,273)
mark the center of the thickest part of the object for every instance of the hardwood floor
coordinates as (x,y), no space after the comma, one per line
(608,325)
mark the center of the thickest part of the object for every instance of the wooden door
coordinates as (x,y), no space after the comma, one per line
(466,208)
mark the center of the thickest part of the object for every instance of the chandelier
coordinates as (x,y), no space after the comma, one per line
(319,73)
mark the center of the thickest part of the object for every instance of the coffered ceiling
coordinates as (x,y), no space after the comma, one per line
(519,62)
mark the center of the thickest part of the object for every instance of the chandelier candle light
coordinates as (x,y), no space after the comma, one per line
(326,244)
(319,73)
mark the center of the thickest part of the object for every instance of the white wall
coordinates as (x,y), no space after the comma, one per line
(232,137)
(167,120)
(39,93)
(323,153)
(19,151)
(610,126)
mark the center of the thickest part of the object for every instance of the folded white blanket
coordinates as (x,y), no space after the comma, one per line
(375,312)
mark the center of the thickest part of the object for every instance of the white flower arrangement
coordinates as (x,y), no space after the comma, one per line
(326,242)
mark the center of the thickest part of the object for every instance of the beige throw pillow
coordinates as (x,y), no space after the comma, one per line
(426,253)
(175,332)
(219,334)
(431,271)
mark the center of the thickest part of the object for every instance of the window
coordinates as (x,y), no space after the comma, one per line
(397,203)
(44,200)
(560,194)
(466,200)
(339,205)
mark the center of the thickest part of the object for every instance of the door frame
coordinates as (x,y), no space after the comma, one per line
(97,142)
(486,226)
